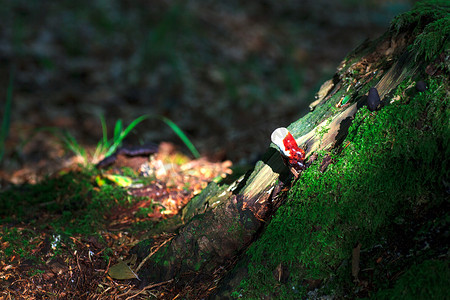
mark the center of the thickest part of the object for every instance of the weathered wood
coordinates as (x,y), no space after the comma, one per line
(224,219)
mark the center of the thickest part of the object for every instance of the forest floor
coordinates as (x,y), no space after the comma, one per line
(226,73)
(60,237)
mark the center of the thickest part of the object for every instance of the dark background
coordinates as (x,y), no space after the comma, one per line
(226,72)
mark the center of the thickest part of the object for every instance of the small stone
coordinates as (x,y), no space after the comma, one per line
(373,100)
(421,86)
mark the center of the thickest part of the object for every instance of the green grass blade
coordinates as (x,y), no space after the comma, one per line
(182,136)
(117,130)
(103,144)
(104,130)
(134,124)
(72,144)
(6,117)
(68,140)
(118,137)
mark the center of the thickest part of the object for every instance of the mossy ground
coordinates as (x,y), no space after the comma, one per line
(63,206)
(426,280)
(60,237)
(391,170)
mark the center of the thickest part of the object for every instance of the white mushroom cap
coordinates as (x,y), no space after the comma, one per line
(277,137)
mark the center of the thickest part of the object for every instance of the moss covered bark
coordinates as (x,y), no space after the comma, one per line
(388,168)
(387,189)
(392,169)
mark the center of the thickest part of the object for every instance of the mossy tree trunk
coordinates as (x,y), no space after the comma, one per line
(225,218)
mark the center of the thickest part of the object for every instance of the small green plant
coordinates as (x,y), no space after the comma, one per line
(6,122)
(106,146)
(321,131)
(71,143)
(109,146)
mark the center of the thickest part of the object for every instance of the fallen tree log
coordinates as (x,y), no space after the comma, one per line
(225,218)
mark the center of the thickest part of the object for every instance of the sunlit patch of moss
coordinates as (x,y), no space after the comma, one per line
(405,145)
(431,22)
(65,205)
(145,211)
(16,242)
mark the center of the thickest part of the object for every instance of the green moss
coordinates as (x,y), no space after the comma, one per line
(434,39)
(431,22)
(428,280)
(63,206)
(19,242)
(405,145)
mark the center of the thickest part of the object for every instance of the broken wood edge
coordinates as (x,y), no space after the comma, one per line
(257,192)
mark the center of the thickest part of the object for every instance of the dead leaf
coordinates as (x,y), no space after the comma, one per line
(355,261)
(124,269)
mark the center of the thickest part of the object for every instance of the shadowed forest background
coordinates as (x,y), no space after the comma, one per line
(196,204)
(227,73)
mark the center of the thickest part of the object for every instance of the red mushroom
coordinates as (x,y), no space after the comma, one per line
(293,154)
